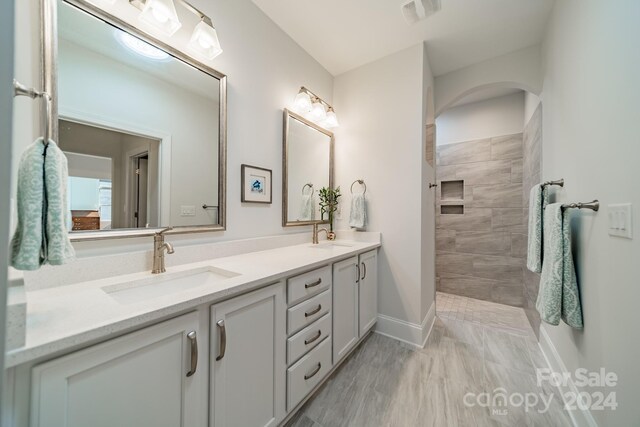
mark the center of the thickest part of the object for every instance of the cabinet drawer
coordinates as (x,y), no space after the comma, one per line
(308,312)
(307,373)
(308,284)
(299,344)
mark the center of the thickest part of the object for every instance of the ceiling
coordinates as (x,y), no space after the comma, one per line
(485,94)
(345,34)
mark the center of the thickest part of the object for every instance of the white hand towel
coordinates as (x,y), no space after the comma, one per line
(307,208)
(538,200)
(41,235)
(358,214)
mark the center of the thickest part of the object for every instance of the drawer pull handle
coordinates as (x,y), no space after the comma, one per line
(313,284)
(314,311)
(310,340)
(194,352)
(223,339)
(357,273)
(364,267)
(315,371)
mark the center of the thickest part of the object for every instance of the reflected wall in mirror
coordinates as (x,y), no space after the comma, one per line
(308,166)
(143,128)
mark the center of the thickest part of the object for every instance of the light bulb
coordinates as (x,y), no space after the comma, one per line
(302,102)
(331,121)
(204,41)
(318,113)
(160,13)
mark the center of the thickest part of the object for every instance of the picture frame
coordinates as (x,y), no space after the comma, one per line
(256,184)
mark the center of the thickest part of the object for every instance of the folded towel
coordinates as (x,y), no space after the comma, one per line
(41,235)
(358,215)
(559,296)
(538,200)
(307,207)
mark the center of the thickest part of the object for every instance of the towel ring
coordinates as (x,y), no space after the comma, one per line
(310,185)
(361,182)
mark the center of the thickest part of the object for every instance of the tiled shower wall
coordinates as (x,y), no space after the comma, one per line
(480,253)
(531,175)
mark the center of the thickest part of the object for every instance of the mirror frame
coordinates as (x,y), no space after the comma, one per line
(49,82)
(285,171)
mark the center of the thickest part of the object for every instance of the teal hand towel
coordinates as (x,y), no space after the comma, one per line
(538,200)
(41,235)
(559,297)
(358,214)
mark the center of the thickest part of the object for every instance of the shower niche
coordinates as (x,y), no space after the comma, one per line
(452,191)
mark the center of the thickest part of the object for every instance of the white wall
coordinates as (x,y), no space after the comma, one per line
(592,140)
(380,141)
(265,69)
(483,119)
(520,69)
(531,102)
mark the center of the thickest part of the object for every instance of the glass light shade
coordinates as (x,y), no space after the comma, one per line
(140,47)
(302,103)
(204,41)
(162,15)
(318,113)
(331,121)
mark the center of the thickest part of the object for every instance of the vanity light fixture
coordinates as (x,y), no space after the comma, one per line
(161,14)
(314,108)
(140,47)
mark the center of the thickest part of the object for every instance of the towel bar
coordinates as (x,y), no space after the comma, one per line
(361,182)
(594,205)
(559,182)
(21,90)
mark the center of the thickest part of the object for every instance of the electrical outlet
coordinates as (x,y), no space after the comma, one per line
(187,210)
(620,220)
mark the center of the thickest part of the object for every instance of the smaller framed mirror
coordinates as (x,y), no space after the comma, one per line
(308,166)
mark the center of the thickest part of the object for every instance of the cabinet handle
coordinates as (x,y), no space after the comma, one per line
(194,352)
(315,371)
(364,267)
(313,284)
(310,340)
(357,273)
(223,339)
(314,311)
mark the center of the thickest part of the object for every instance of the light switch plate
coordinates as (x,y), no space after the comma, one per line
(187,211)
(620,220)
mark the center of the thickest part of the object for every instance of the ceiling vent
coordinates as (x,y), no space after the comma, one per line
(417,10)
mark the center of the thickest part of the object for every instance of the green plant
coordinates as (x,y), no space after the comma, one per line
(329,203)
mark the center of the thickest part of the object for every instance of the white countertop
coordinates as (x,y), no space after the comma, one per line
(67,317)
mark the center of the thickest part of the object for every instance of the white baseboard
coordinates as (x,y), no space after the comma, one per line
(407,332)
(579,417)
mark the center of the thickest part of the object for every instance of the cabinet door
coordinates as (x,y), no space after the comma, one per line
(137,380)
(368,290)
(248,356)
(345,307)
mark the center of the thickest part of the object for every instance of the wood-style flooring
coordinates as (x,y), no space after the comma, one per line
(475,347)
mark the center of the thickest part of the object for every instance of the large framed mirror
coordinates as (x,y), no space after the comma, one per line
(142,124)
(308,166)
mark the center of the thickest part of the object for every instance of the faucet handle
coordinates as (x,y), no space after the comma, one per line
(164,230)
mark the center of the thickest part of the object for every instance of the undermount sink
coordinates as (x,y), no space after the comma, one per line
(135,291)
(330,245)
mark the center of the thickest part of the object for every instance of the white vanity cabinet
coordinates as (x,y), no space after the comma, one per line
(345,307)
(355,301)
(248,359)
(368,291)
(140,379)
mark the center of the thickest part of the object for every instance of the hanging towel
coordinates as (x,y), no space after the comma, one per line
(358,215)
(41,235)
(307,208)
(559,297)
(538,200)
